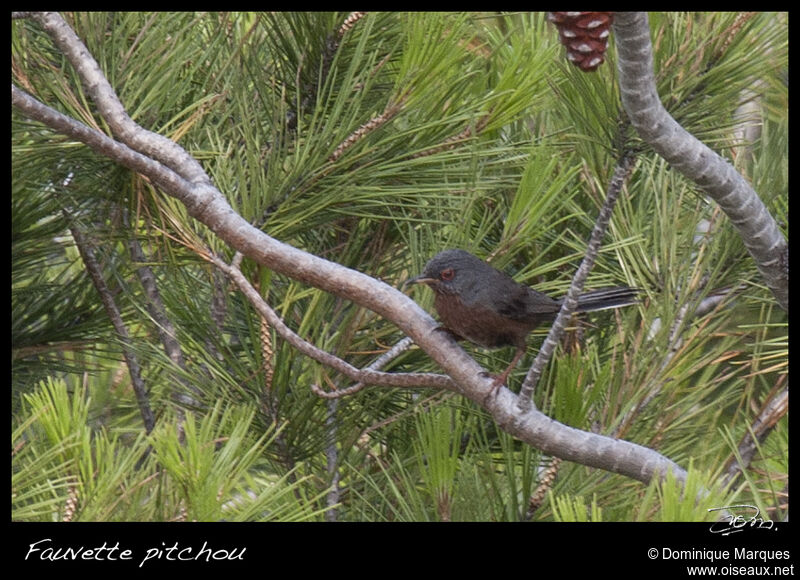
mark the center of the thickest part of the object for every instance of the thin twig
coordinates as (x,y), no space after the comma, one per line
(95,273)
(376,365)
(166,330)
(621,172)
(366,375)
(764,423)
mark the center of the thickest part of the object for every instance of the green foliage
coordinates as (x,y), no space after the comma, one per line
(698,500)
(210,461)
(437,450)
(63,469)
(376,147)
(566,509)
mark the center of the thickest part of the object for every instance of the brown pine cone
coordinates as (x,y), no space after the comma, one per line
(585,34)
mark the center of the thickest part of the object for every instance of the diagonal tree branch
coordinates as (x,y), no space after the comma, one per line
(772,412)
(621,171)
(99,89)
(367,375)
(164,327)
(134,369)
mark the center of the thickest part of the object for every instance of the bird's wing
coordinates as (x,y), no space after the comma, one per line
(519,302)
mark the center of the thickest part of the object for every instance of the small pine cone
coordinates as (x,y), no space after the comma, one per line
(585,34)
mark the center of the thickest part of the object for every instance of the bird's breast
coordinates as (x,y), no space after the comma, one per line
(479,324)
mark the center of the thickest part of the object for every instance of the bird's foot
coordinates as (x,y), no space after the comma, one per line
(497,382)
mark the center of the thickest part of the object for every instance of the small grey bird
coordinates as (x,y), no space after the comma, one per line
(478,303)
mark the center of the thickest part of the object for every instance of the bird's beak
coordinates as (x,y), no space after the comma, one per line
(418,280)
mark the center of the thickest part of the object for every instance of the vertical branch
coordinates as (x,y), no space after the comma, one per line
(135,371)
(332,461)
(624,165)
(165,328)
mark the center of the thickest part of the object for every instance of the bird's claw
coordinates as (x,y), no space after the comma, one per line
(497,382)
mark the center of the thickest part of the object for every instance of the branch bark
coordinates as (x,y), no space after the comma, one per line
(132,362)
(178,175)
(621,171)
(760,233)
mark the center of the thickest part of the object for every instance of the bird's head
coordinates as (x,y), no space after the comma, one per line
(450,272)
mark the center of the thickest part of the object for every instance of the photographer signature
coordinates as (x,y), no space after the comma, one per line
(734,522)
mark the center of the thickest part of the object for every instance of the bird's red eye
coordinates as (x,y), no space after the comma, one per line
(447,274)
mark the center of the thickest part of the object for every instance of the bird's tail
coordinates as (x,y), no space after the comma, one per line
(607,298)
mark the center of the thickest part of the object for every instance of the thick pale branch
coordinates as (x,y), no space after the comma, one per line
(100,143)
(208,205)
(530,426)
(759,231)
(99,89)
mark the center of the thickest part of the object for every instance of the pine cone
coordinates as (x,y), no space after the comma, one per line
(585,34)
